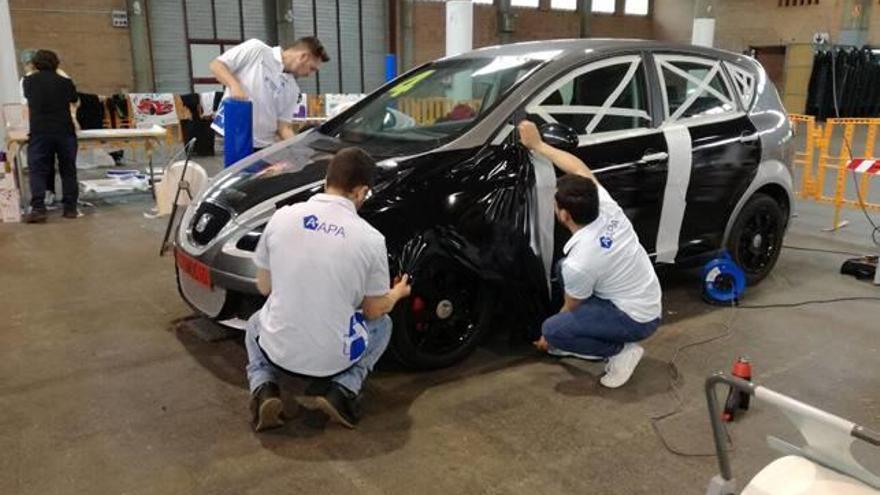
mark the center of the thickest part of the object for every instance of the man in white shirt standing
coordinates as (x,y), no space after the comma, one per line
(612,294)
(267,77)
(325,271)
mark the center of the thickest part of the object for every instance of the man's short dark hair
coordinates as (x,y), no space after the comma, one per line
(45,60)
(350,168)
(312,45)
(579,196)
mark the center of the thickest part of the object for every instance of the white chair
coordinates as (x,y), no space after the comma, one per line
(166,189)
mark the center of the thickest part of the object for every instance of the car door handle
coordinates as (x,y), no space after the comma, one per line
(749,138)
(651,158)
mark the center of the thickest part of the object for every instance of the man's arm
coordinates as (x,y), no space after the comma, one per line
(285,130)
(228,79)
(568,163)
(570,303)
(375,307)
(73,98)
(264,281)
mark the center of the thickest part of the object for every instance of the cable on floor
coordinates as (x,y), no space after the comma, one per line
(818,250)
(727,331)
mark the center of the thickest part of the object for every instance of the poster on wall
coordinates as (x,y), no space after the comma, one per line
(336,103)
(150,109)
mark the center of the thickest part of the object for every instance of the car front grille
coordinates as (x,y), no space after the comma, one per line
(207,222)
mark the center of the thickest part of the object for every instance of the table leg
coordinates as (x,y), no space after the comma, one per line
(149,150)
(19,173)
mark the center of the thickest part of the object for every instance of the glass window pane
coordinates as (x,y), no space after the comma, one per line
(604,6)
(636,7)
(679,89)
(592,89)
(563,4)
(524,3)
(201,56)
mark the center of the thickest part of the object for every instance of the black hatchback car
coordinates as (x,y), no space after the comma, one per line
(693,143)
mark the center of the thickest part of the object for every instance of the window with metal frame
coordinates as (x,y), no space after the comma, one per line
(604,6)
(693,87)
(606,96)
(744,82)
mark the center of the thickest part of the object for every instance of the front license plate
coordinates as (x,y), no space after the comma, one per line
(194,268)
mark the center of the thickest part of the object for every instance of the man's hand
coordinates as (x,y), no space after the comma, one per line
(237,93)
(401,288)
(541,344)
(529,135)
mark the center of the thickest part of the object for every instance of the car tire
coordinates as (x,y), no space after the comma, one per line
(756,237)
(444,319)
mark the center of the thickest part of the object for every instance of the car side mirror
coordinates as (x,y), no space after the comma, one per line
(559,136)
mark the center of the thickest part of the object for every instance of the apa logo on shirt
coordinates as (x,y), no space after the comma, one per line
(607,239)
(311,222)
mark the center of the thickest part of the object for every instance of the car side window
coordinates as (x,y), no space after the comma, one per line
(744,81)
(693,87)
(605,96)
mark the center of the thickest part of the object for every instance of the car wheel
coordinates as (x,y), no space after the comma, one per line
(756,237)
(443,320)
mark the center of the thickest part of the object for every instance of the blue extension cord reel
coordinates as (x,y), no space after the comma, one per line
(724,282)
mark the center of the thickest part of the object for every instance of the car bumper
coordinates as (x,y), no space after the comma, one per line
(219,301)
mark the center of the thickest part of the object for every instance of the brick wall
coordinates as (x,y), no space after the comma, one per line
(429,27)
(744,23)
(95,54)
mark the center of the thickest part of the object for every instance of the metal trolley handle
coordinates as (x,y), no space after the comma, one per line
(829,438)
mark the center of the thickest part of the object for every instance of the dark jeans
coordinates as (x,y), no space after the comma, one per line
(595,328)
(42,152)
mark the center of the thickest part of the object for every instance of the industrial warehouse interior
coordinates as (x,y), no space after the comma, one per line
(452,247)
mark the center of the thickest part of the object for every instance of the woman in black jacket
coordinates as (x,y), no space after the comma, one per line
(52,134)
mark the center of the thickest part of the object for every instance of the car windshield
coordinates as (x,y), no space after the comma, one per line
(435,104)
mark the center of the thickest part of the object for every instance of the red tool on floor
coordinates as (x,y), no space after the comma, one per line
(738,400)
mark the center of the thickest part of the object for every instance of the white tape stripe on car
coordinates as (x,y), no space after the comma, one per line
(678,140)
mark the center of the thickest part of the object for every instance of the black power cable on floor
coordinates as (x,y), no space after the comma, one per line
(727,331)
(818,250)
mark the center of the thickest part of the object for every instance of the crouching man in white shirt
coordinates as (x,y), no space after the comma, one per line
(325,271)
(612,295)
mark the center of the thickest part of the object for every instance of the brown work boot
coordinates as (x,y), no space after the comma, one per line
(266,407)
(36,216)
(71,214)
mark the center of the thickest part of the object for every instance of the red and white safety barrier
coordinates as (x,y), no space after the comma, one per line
(864,166)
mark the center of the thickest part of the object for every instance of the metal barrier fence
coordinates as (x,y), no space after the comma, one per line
(834,151)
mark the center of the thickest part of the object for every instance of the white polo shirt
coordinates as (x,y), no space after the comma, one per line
(606,260)
(323,259)
(274,93)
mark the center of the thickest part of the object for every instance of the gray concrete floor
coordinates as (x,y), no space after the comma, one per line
(105,387)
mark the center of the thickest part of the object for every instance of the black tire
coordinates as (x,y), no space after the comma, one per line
(444,319)
(756,237)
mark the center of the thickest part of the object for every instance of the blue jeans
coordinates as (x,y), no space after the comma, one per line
(260,370)
(595,328)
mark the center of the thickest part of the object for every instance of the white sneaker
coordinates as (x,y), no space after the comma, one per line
(560,353)
(620,367)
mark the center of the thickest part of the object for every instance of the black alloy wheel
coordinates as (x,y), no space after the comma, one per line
(756,237)
(443,320)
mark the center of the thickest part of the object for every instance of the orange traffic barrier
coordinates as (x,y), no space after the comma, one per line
(804,158)
(836,151)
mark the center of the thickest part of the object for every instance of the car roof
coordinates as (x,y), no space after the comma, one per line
(568,48)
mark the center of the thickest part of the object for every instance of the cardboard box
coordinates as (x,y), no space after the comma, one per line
(10,198)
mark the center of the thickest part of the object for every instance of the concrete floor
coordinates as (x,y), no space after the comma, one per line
(105,387)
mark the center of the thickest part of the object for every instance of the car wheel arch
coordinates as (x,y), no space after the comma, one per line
(774,179)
